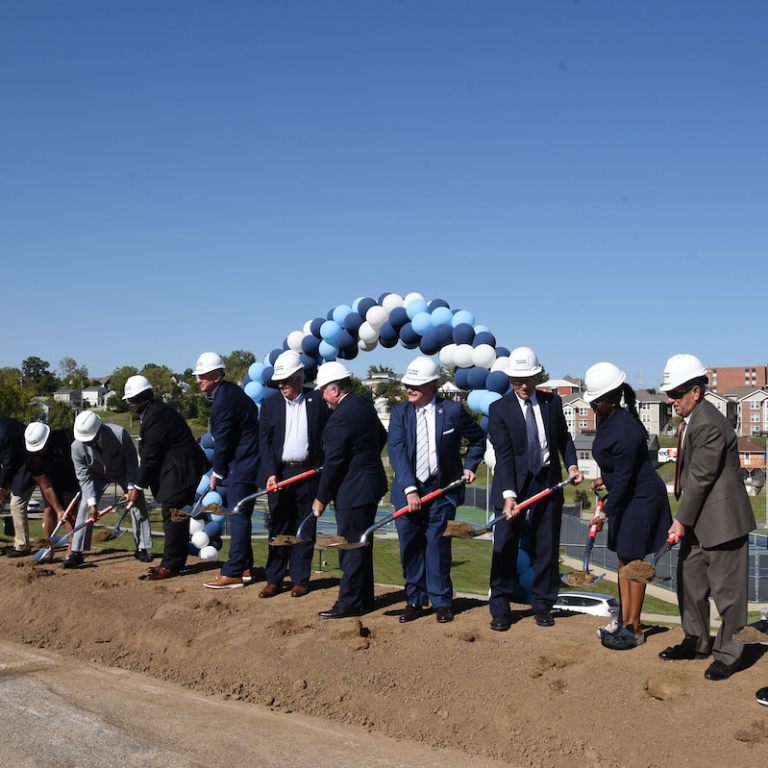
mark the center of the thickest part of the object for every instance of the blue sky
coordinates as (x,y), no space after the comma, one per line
(588,178)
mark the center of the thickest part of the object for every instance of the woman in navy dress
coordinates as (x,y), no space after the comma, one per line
(637,506)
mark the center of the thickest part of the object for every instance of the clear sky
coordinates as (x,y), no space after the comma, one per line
(589,178)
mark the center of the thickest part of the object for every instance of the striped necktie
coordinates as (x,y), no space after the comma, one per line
(422,445)
(534,446)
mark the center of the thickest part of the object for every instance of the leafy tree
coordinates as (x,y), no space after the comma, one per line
(582,497)
(72,374)
(392,391)
(11,394)
(237,364)
(165,385)
(60,415)
(379,369)
(117,383)
(36,377)
(360,389)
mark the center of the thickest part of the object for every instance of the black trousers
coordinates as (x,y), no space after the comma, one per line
(356,588)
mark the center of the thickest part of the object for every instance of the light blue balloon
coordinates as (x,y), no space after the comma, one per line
(254,372)
(482,329)
(328,351)
(421,323)
(479,400)
(203,485)
(213,498)
(415,306)
(330,330)
(218,519)
(255,390)
(340,313)
(463,316)
(441,316)
(356,303)
(207,440)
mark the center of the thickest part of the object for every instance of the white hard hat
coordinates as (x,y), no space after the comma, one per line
(36,436)
(420,371)
(602,378)
(87,425)
(135,385)
(327,373)
(681,369)
(287,364)
(522,363)
(207,362)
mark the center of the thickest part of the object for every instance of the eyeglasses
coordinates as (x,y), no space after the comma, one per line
(676,394)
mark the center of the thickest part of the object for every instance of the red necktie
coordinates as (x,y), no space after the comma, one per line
(680,433)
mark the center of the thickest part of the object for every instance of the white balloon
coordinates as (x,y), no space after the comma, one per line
(201,539)
(368,334)
(195,525)
(448,355)
(366,346)
(376,316)
(307,329)
(463,355)
(294,340)
(209,553)
(484,355)
(392,301)
(410,297)
(501,364)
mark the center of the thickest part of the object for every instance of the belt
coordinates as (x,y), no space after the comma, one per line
(429,481)
(295,464)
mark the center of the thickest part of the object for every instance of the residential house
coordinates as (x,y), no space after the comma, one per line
(586,462)
(563,387)
(95,396)
(751,410)
(71,397)
(579,415)
(725,379)
(654,412)
(725,405)
(751,455)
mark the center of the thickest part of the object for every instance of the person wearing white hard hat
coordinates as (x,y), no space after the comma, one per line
(170,464)
(290,443)
(637,506)
(16,482)
(103,454)
(353,478)
(234,426)
(50,464)
(713,522)
(529,435)
(424,445)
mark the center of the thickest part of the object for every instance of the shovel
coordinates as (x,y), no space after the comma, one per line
(645,572)
(578,578)
(53,542)
(458,529)
(117,531)
(179,515)
(339,542)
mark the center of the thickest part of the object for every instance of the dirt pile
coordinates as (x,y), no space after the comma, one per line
(531,697)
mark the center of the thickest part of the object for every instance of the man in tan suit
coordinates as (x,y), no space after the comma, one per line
(712,524)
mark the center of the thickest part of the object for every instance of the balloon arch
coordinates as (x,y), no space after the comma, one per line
(432,327)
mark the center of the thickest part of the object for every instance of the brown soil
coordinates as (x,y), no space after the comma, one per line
(102,535)
(458,530)
(638,570)
(579,578)
(528,697)
(283,540)
(749,635)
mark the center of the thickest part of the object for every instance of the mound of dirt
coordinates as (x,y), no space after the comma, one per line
(532,696)
(638,570)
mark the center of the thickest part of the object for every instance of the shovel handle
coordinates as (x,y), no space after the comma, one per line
(532,500)
(277,486)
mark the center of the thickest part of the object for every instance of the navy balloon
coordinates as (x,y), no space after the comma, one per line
(398,317)
(364,305)
(463,333)
(409,337)
(310,345)
(285,344)
(502,352)
(266,374)
(444,335)
(273,355)
(352,323)
(329,314)
(384,296)
(388,336)
(346,339)
(497,381)
(430,343)
(477,377)
(314,326)
(349,353)
(435,303)
(484,423)
(461,378)
(484,337)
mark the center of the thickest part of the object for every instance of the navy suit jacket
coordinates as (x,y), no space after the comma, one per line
(509,437)
(235,429)
(13,457)
(353,474)
(272,437)
(452,423)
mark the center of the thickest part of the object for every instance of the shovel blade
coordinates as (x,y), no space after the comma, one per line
(581,578)
(458,529)
(41,554)
(284,540)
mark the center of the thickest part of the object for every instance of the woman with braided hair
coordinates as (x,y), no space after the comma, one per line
(637,506)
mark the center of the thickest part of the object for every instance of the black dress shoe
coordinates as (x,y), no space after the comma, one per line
(544,619)
(75,560)
(143,555)
(719,670)
(762,696)
(443,615)
(19,553)
(339,613)
(410,613)
(501,623)
(682,652)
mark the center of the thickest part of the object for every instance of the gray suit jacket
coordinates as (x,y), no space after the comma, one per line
(714,501)
(114,460)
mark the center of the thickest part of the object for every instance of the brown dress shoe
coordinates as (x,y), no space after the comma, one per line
(270,590)
(225,582)
(299,590)
(160,573)
(410,613)
(443,615)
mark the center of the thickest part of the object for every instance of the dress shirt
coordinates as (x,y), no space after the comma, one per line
(429,411)
(296,441)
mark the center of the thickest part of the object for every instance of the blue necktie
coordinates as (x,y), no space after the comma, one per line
(534,446)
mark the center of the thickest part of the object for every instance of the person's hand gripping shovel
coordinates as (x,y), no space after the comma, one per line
(44,553)
(582,577)
(645,572)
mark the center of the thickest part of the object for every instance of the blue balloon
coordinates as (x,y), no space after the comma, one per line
(479,400)
(461,378)
(266,374)
(441,316)
(212,530)
(203,486)
(349,353)
(421,323)
(415,306)
(484,423)
(444,334)
(523,560)
(398,317)
(213,497)
(192,550)
(346,339)
(364,305)
(310,367)
(525,583)
(220,519)
(484,337)
(328,351)
(285,344)
(352,323)
(330,330)
(408,336)
(497,381)
(502,352)
(208,453)
(387,333)
(356,303)
(207,440)
(217,543)
(273,355)
(436,303)
(315,325)
(246,379)
(477,377)
(463,316)
(255,390)
(384,296)
(463,333)
(482,329)
(340,313)
(270,392)
(310,345)
(254,372)
(430,343)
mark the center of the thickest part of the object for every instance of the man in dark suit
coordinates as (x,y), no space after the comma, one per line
(234,423)
(713,522)
(529,435)
(16,481)
(171,464)
(290,442)
(353,478)
(424,444)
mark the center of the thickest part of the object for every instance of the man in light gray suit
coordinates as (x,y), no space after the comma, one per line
(712,524)
(102,454)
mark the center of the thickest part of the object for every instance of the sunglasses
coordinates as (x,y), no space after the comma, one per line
(676,394)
